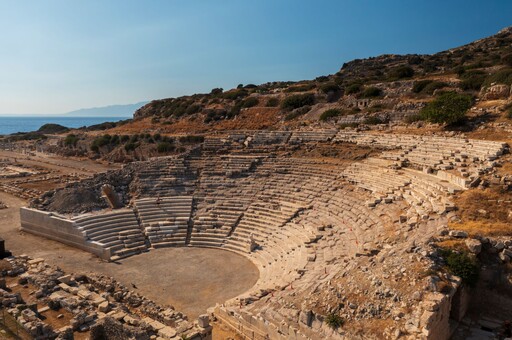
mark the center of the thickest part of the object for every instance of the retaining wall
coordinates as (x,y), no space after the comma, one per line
(49,225)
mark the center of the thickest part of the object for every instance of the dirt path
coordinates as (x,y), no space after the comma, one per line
(63,164)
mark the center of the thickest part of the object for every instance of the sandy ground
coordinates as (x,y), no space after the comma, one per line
(190,279)
(65,165)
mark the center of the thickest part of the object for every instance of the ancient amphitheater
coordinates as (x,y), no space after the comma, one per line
(328,235)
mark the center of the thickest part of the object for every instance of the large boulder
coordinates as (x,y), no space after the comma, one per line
(498,91)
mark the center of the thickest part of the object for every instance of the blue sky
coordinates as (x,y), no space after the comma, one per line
(59,56)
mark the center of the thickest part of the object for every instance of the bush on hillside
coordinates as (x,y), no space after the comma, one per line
(329,87)
(503,76)
(371,92)
(447,108)
(300,88)
(472,80)
(131,146)
(331,113)
(235,94)
(353,89)
(298,100)
(250,102)
(191,139)
(400,72)
(272,102)
(164,147)
(334,321)
(507,59)
(70,140)
(462,265)
(297,113)
(216,91)
(418,86)
(52,128)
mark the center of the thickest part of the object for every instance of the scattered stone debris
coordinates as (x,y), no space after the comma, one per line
(32,291)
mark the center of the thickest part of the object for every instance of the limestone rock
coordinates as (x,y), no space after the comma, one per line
(458,234)
(474,245)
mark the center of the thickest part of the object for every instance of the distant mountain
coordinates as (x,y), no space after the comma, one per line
(125,111)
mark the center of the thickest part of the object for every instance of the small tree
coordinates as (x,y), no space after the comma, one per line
(447,108)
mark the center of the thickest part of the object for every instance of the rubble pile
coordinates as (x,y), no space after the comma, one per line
(31,290)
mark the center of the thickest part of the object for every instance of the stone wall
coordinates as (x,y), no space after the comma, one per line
(51,226)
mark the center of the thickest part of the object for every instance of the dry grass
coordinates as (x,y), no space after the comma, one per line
(474,228)
(452,244)
(488,205)
(485,212)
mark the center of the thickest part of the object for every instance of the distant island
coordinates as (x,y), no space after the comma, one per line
(125,111)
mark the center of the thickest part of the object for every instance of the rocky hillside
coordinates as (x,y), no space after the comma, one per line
(389,87)
(396,90)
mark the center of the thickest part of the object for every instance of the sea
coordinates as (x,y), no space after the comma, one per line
(13,124)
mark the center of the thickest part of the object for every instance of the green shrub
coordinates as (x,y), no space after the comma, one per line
(70,140)
(300,88)
(164,147)
(353,89)
(52,128)
(462,265)
(328,114)
(373,121)
(235,94)
(447,108)
(371,92)
(250,102)
(503,76)
(334,321)
(99,142)
(194,108)
(415,60)
(329,88)
(435,85)
(507,59)
(297,113)
(472,80)
(124,138)
(348,125)
(413,118)
(428,86)
(273,102)
(420,85)
(191,139)
(216,91)
(400,72)
(131,146)
(298,100)
(322,79)
(235,110)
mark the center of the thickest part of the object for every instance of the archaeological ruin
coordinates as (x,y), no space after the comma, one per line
(349,235)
